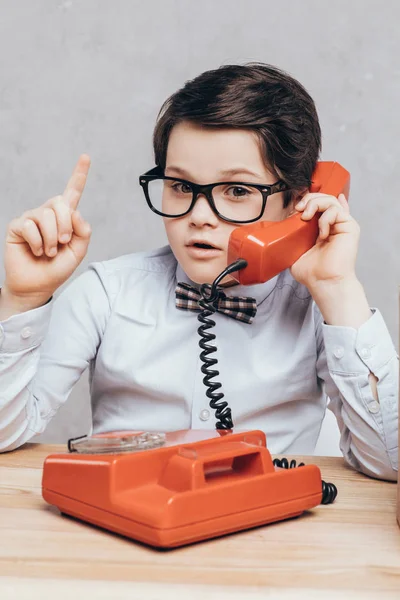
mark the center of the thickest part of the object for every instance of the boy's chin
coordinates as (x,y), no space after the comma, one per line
(205,272)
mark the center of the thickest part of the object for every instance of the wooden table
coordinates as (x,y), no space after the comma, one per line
(350,549)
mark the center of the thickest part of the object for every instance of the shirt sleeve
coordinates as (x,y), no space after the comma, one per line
(368,428)
(43,353)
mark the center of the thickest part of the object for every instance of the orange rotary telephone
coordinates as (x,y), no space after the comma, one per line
(171,489)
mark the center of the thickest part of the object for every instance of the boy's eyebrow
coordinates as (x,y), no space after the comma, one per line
(223,173)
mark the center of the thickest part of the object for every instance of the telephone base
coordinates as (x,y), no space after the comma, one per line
(182,492)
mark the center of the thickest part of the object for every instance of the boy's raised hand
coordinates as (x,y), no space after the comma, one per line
(45,245)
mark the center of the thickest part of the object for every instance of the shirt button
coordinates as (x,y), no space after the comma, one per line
(205,415)
(373,407)
(365,353)
(26,333)
(338,352)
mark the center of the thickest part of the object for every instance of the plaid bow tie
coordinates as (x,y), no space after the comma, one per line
(238,307)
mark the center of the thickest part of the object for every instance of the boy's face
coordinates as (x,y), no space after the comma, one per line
(204,156)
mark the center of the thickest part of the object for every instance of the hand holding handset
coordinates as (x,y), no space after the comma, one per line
(269,247)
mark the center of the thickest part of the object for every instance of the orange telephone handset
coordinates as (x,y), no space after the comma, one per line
(269,247)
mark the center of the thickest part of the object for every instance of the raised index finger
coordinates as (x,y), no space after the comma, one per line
(76,184)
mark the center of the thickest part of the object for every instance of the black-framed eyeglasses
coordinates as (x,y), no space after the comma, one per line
(233,201)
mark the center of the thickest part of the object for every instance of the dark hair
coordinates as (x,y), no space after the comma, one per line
(257,97)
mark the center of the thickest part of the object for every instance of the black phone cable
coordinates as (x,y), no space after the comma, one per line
(329,490)
(209,297)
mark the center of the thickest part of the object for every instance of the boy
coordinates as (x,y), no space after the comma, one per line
(313,336)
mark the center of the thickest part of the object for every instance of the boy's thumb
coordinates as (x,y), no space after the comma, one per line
(81,234)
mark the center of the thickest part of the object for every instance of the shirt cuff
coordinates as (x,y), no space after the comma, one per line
(349,350)
(25,330)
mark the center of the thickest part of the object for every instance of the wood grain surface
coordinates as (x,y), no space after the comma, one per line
(350,549)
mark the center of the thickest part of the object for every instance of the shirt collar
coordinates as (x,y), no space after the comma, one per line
(259,292)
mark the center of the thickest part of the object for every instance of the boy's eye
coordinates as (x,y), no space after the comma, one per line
(238,191)
(181,188)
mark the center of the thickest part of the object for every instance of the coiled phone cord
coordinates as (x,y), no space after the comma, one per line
(329,490)
(209,295)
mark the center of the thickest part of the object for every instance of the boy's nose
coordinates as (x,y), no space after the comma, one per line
(202,214)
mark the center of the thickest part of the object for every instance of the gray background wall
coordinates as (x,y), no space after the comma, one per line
(90,76)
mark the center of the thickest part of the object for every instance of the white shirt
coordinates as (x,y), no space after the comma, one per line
(119,319)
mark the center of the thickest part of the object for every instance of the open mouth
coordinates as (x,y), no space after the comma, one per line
(202,250)
(204,246)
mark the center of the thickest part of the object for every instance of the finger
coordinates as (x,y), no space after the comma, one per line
(322,199)
(319,204)
(31,234)
(76,184)
(47,224)
(326,220)
(81,235)
(343,202)
(63,218)
(81,228)
(301,204)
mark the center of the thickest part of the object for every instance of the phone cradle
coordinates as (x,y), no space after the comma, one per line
(195,485)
